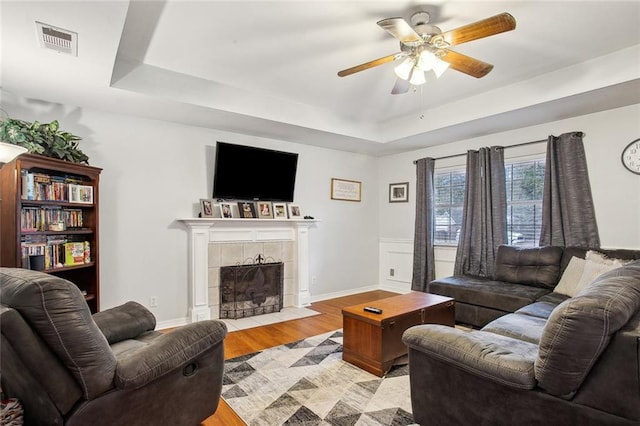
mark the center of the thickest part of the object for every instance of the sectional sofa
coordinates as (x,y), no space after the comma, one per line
(522,276)
(563,359)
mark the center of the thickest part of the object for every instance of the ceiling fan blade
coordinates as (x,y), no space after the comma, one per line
(487,27)
(401,86)
(400,29)
(466,64)
(370,64)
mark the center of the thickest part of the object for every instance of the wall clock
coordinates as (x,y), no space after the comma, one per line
(631,157)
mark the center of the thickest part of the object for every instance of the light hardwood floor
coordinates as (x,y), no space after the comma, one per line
(255,339)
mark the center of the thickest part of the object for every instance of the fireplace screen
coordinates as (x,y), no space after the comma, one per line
(250,290)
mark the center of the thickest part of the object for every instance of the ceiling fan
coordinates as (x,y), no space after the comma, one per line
(424,48)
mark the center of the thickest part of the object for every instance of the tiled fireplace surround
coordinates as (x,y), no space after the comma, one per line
(217,242)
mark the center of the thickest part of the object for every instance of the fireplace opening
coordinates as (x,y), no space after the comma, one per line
(250,290)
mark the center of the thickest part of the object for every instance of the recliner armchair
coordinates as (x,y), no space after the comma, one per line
(69,367)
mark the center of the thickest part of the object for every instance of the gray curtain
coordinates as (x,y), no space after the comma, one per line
(423,263)
(568,214)
(484,218)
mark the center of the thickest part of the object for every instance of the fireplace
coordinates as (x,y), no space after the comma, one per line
(249,290)
(213,242)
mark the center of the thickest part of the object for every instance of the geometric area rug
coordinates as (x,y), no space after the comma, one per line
(307,383)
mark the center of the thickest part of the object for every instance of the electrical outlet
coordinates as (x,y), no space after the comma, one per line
(153,301)
(392,272)
(313,280)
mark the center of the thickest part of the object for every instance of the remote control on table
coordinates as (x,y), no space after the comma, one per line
(373,310)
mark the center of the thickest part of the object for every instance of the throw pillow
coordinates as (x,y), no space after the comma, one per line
(602,258)
(11,412)
(571,277)
(591,271)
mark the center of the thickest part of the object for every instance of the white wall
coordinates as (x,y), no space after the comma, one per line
(155,172)
(616,191)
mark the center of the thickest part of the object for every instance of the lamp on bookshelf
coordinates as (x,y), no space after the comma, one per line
(9,151)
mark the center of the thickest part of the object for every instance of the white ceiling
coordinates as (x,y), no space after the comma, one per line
(268,68)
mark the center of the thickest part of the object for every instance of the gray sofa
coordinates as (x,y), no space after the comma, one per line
(576,362)
(522,276)
(69,367)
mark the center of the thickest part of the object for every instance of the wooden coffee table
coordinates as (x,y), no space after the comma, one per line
(374,341)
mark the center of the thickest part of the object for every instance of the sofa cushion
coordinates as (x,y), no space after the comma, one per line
(539,266)
(580,328)
(553,298)
(538,309)
(482,291)
(521,327)
(491,356)
(125,321)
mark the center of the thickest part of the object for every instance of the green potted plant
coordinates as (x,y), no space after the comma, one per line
(43,138)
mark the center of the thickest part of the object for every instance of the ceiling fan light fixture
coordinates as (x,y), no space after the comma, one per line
(417,77)
(439,67)
(426,60)
(403,70)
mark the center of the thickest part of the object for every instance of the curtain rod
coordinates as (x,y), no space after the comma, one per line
(509,146)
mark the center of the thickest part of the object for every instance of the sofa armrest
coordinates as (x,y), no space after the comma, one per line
(124,322)
(492,356)
(167,352)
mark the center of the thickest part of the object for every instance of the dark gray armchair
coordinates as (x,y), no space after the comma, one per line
(69,367)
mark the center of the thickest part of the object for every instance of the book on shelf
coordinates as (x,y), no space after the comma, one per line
(43,187)
(59,188)
(28,186)
(74,253)
(49,218)
(59,250)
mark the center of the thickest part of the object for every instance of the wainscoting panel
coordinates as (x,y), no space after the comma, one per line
(396,263)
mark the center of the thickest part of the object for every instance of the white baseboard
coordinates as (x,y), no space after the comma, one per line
(399,287)
(349,292)
(178,322)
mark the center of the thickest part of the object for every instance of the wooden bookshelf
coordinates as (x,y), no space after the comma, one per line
(26,222)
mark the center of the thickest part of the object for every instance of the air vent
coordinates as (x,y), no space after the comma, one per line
(57,39)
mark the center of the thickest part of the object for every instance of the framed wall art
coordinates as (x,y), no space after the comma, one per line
(399,192)
(347,190)
(206,207)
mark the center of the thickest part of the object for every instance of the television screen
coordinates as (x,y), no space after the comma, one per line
(250,173)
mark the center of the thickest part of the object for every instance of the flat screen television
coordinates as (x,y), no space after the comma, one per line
(249,173)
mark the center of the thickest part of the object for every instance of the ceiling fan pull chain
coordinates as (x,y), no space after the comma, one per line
(422,102)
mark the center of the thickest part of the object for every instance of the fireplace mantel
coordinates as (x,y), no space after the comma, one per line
(202,231)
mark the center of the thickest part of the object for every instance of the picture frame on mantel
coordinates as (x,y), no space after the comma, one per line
(346,190)
(399,192)
(247,209)
(226,212)
(279,210)
(265,210)
(206,207)
(294,211)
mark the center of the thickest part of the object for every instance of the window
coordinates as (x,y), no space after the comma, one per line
(524,184)
(449,200)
